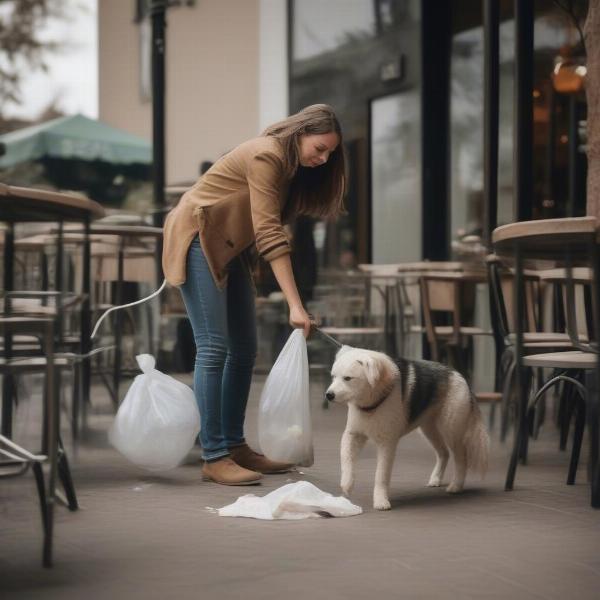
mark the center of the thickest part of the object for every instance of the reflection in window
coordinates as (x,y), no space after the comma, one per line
(466,117)
(553,30)
(396,179)
(339,48)
(338,22)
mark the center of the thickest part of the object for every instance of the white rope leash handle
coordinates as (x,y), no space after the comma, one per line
(105,314)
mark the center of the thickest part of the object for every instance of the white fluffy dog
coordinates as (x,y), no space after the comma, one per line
(388,399)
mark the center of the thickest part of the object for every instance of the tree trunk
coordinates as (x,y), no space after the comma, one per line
(591,31)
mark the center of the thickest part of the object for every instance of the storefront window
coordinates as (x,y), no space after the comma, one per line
(396,178)
(355,55)
(554,33)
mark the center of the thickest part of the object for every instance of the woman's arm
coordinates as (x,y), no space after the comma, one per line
(282,269)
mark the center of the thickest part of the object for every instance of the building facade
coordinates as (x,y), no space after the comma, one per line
(404,76)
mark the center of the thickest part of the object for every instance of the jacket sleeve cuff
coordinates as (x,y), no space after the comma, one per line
(276,250)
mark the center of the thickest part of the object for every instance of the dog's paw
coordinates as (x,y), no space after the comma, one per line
(382,504)
(347,485)
(454,488)
(434,482)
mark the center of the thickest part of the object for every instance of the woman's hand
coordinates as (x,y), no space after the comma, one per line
(282,268)
(300,319)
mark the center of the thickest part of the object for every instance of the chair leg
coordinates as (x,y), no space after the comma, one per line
(506,395)
(64,473)
(566,415)
(47,511)
(524,447)
(498,378)
(520,431)
(593,422)
(577,439)
(36,467)
(75,402)
(540,408)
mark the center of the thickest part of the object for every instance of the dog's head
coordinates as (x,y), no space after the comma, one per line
(360,376)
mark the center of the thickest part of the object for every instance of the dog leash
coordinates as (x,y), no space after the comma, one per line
(105,314)
(327,337)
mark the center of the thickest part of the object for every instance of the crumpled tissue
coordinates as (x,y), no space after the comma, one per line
(300,500)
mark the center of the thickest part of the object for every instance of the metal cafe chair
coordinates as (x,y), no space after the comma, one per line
(51,446)
(13,458)
(40,304)
(574,242)
(452,295)
(572,366)
(132,260)
(16,460)
(501,290)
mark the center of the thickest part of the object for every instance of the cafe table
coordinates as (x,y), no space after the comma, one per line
(31,205)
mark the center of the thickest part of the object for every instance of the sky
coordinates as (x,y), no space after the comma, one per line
(72,77)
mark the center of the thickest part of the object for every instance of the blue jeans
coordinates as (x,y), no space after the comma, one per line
(224,325)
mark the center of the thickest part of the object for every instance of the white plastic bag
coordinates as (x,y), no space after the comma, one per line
(158,421)
(300,500)
(284,428)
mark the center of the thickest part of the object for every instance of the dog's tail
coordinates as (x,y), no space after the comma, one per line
(476,440)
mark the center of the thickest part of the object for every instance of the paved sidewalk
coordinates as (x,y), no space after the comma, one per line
(140,535)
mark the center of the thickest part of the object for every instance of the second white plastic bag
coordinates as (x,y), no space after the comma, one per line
(284,427)
(158,421)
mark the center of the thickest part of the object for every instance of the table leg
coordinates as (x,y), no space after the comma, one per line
(521,424)
(52,427)
(86,321)
(118,324)
(59,277)
(8,380)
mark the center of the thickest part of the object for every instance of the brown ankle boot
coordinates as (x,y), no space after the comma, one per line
(227,472)
(247,458)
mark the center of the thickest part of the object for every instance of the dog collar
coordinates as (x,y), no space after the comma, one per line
(379,402)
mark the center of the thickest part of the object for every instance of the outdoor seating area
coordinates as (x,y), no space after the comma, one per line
(538,384)
(299,299)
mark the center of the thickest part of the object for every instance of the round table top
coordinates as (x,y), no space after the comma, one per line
(19,204)
(546,238)
(399,268)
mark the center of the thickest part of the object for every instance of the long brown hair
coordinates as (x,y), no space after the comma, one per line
(314,191)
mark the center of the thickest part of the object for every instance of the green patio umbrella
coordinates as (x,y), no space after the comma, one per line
(74,138)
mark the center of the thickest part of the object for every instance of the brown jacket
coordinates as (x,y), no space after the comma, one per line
(237,202)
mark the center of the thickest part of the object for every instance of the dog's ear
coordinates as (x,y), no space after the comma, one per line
(343,350)
(372,370)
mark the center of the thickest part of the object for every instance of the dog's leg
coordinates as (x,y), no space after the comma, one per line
(352,444)
(459,454)
(432,433)
(385,461)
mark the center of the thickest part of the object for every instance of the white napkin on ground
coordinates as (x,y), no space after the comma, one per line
(300,500)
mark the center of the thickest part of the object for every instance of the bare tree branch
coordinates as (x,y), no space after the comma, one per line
(21,47)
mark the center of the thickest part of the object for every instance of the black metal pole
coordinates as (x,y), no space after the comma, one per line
(523,111)
(436,49)
(491,108)
(550,148)
(573,155)
(158,10)
(86,320)
(7,380)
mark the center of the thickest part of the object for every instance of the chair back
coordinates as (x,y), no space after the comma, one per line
(502,291)
(447,298)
